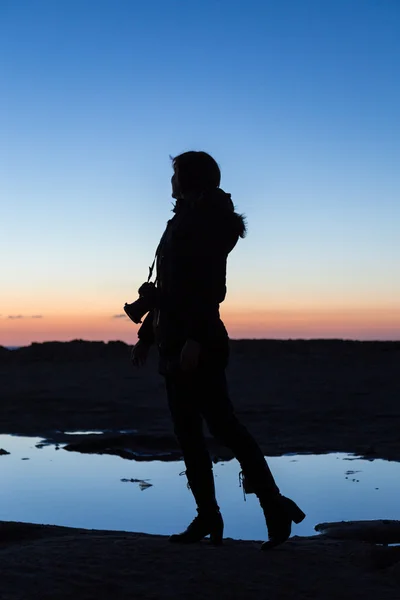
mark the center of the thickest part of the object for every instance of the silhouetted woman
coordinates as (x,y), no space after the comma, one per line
(194,347)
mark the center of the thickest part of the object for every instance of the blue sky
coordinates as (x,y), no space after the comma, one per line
(299,102)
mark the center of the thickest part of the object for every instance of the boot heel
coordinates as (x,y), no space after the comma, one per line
(216,534)
(296,514)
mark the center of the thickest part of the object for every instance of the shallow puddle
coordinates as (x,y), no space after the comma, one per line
(49,485)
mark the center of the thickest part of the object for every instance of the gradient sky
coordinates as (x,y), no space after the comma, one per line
(299,102)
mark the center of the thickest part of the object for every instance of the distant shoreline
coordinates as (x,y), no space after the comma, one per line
(256,340)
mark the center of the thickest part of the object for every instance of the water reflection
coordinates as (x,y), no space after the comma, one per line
(107,492)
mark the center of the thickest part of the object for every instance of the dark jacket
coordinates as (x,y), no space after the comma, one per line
(191,273)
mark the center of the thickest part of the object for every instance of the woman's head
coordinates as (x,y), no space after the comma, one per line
(194,172)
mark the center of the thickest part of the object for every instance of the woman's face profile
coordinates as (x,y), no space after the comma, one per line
(175,187)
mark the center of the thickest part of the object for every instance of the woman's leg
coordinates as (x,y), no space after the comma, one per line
(188,427)
(217,409)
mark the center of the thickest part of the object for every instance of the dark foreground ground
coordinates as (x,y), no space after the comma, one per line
(295,396)
(55,563)
(317,396)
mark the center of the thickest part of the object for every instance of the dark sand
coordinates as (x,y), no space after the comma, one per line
(317,396)
(294,396)
(54,563)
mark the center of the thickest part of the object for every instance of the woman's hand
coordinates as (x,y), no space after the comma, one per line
(190,356)
(139,353)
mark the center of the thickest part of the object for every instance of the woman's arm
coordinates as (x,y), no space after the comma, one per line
(146,330)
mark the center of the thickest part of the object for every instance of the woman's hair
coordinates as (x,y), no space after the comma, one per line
(196,171)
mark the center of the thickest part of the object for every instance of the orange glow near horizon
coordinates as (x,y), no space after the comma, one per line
(282,324)
(364,324)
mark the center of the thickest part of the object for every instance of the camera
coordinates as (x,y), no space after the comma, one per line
(148,295)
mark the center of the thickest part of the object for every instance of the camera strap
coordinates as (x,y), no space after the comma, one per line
(151,268)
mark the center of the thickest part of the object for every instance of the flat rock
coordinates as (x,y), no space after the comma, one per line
(376,532)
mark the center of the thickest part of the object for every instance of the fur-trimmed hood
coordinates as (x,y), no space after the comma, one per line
(218,206)
(221,203)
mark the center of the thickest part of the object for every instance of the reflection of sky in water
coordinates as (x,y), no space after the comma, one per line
(68,488)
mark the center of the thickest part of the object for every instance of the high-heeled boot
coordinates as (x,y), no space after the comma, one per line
(204,524)
(280,512)
(208,520)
